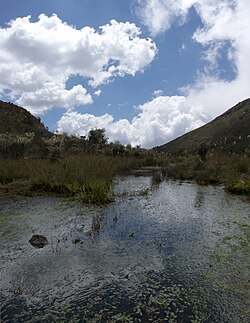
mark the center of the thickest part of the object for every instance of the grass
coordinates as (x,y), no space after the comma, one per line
(231,170)
(87,176)
(239,186)
(90,176)
(98,192)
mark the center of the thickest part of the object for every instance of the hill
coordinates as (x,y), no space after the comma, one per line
(230,132)
(23,135)
(16,120)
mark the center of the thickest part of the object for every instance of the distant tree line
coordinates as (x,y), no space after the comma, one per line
(58,145)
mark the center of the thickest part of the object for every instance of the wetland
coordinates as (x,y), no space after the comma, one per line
(169,251)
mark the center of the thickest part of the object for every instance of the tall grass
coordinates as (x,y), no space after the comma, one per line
(231,170)
(89,176)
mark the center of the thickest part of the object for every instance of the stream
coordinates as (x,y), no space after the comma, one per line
(172,252)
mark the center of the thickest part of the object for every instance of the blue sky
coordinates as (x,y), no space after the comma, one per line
(157,69)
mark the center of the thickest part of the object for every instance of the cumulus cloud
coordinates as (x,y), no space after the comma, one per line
(38,58)
(162,119)
(226,24)
(158,121)
(158,15)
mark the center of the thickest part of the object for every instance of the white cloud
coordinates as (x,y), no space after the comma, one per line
(160,120)
(98,92)
(158,93)
(38,58)
(158,15)
(164,118)
(80,124)
(225,23)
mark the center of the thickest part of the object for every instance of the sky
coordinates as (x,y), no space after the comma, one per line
(147,71)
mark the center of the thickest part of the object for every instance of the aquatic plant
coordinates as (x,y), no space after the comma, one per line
(98,192)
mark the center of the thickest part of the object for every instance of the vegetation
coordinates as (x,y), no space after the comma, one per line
(232,170)
(86,176)
(33,159)
(98,192)
(16,120)
(239,186)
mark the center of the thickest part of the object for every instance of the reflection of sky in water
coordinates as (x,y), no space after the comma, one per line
(173,230)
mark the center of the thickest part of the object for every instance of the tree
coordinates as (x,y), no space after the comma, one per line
(97,137)
(118,149)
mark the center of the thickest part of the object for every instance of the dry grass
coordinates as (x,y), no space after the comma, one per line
(89,176)
(73,169)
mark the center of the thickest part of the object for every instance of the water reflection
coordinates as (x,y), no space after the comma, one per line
(199,198)
(165,255)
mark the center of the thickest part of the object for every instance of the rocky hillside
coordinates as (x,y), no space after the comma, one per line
(230,132)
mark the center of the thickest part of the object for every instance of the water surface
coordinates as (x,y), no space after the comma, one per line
(176,252)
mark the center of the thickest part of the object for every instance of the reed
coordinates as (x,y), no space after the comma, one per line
(87,176)
(231,170)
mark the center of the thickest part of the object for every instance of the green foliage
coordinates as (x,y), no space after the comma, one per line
(239,186)
(151,161)
(98,192)
(117,149)
(97,137)
(199,165)
(217,169)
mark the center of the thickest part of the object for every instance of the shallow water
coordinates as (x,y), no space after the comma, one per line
(168,253)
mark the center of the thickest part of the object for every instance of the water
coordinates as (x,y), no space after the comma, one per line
(167,253)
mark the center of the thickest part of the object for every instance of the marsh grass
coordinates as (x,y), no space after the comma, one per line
(98,192)
(231,170)
(87,176)
(90,176)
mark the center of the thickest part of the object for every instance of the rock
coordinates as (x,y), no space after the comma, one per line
(38,241)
